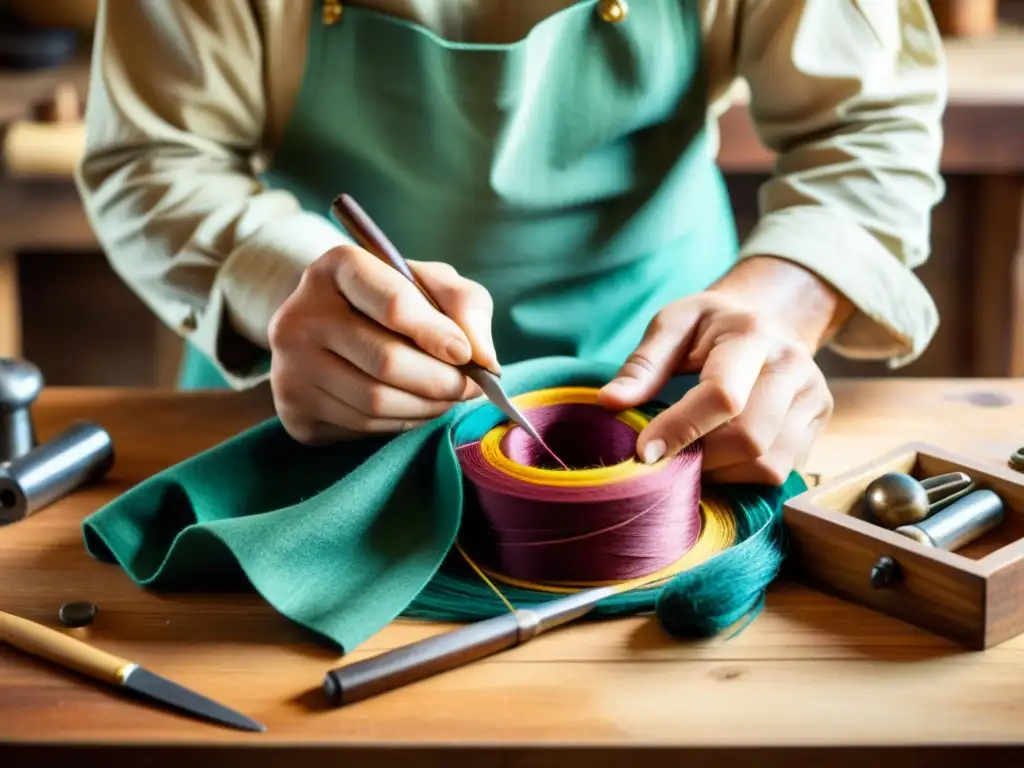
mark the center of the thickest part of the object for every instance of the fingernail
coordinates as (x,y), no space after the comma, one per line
(654,450)
(457,351)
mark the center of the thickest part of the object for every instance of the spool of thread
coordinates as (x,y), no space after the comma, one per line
(80,454)
(958,524)
(608,519)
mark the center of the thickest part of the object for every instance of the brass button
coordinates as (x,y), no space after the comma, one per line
(331,12)
(613,11)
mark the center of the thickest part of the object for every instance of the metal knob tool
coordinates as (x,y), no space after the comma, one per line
(20,385)
(34,475)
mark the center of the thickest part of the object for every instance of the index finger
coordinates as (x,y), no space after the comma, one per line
(726,382)
(387,297)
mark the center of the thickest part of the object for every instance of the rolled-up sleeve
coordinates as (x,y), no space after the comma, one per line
(850,95)
(175,129)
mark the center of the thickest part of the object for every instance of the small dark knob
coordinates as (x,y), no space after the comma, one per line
(884,572)
(20,385)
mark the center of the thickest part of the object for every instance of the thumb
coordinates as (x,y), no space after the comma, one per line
(466,302)
(655,358)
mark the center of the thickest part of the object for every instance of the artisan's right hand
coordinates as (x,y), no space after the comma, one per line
(357,349)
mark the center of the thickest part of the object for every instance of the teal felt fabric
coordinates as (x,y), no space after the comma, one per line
(197,372)
(340,539)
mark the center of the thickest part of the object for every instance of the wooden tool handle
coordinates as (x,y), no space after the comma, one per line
(372,239)
(61,649)
(405,665)
(456,648)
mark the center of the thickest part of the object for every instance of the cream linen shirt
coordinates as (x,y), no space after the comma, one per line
(189,98)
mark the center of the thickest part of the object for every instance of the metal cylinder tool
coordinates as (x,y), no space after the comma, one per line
(960,523)
(81,454)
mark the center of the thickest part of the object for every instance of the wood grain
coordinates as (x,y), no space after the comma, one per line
(811,671)
(997,297)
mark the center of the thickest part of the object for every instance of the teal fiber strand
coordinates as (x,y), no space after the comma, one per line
(731,586)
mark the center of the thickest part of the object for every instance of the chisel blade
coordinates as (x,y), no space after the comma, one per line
(145,683)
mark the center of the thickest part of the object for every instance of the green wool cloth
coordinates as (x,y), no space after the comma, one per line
(343,539)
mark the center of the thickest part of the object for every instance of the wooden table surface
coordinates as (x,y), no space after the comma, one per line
(811,672)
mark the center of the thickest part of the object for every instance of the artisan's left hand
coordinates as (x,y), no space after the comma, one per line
(761,400)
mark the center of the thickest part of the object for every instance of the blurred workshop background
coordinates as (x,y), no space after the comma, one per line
(62,307)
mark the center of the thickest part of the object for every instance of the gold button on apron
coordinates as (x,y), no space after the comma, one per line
(613,11)
(331,12)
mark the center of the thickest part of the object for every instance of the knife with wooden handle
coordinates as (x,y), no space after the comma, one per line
(83,658)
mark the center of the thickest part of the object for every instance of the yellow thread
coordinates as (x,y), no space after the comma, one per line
(482,575)
(491,445)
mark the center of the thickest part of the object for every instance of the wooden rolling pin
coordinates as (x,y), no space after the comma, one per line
(34,150)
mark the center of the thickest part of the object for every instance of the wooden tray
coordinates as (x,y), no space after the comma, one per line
(974,596)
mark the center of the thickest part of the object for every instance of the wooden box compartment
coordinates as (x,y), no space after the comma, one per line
(973,596)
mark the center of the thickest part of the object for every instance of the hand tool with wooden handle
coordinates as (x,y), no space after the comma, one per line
(370,237)
(78,656)
(401,666)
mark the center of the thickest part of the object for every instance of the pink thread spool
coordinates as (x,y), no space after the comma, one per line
(609,518)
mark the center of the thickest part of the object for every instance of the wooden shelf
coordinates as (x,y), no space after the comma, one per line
(987,71)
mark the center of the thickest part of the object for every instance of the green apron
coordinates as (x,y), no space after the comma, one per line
(570,172)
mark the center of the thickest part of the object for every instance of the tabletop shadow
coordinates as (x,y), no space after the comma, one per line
(234,614)
(840,630)
(311,701)
(854,631)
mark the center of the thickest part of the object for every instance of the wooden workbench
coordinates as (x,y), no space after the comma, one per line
(811,673)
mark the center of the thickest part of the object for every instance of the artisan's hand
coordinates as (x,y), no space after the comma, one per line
(357,349)
(761,400)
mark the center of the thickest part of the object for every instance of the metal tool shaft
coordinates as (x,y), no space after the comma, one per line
(80,454)
(960,523)
(491,387)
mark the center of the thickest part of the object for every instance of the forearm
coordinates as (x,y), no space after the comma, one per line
(850,96)
(168,183)
(791,298)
